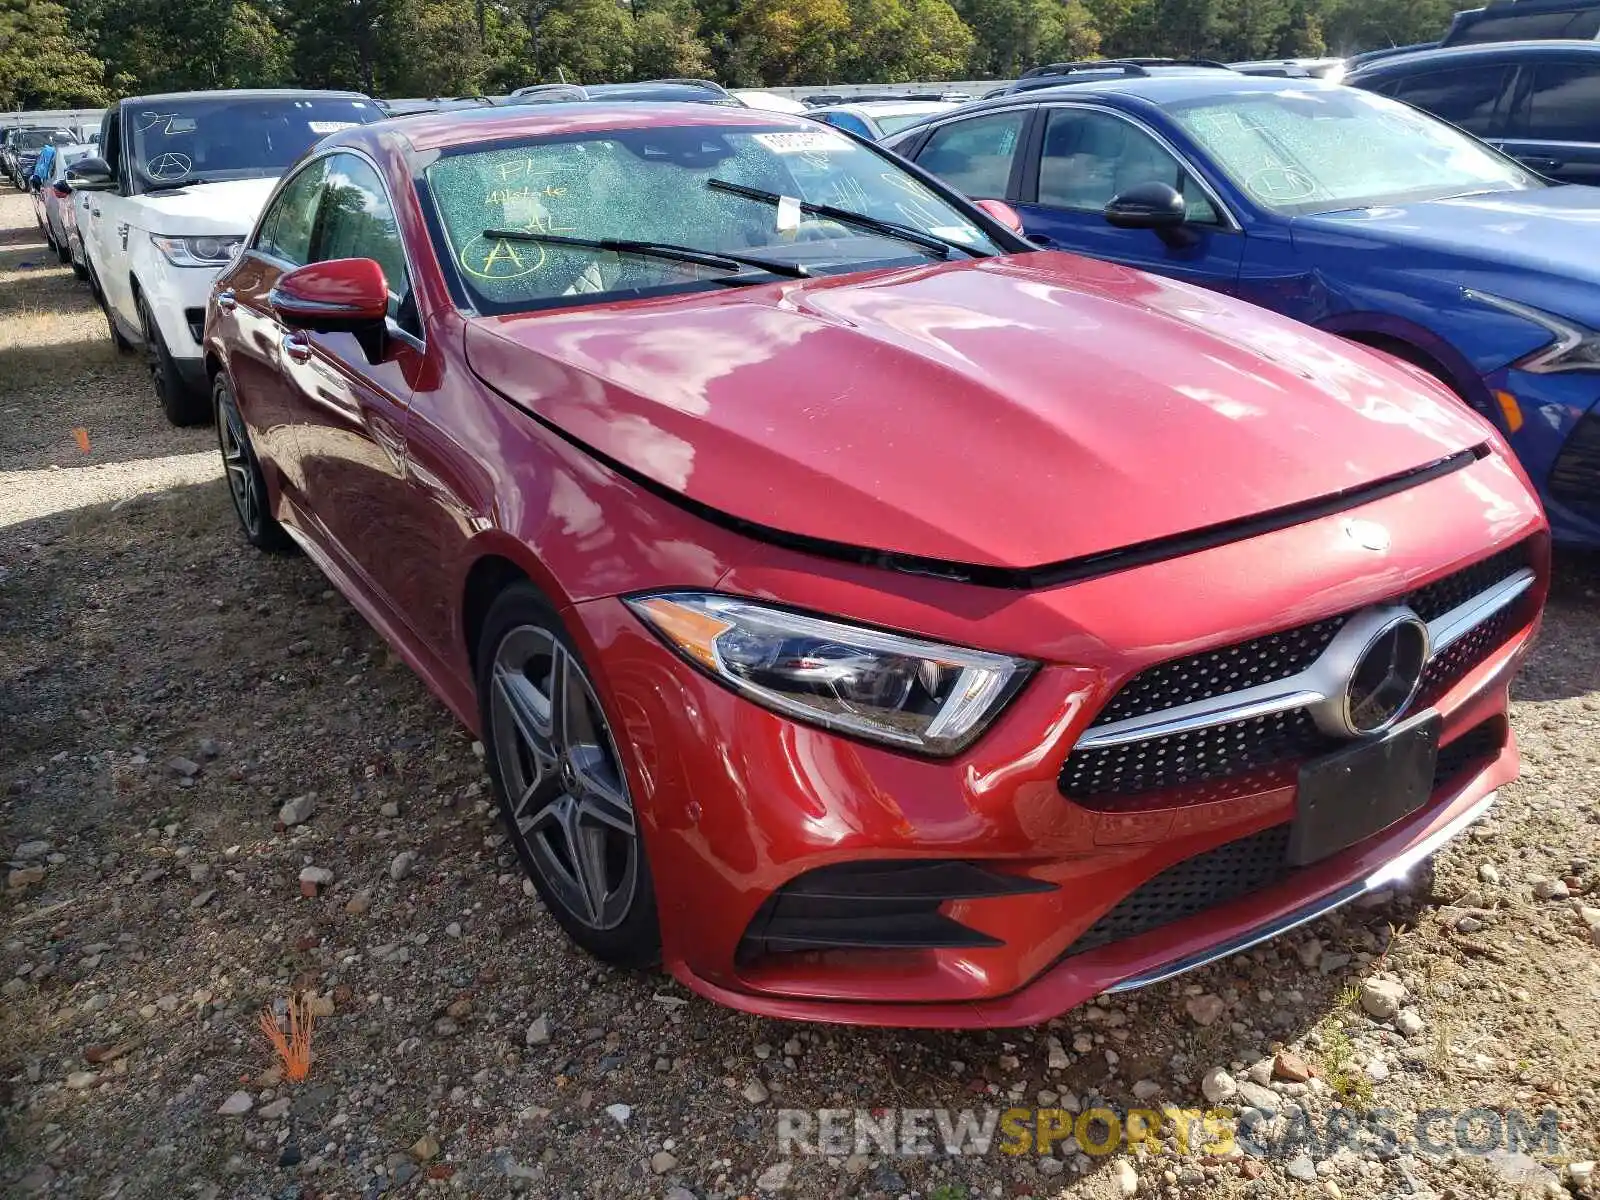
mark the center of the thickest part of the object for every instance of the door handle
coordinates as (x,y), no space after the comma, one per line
(1542,162)
(1042,239)
(226,300)
(296,346)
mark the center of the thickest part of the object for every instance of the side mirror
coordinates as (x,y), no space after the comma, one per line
(91,175)
(1151,205)
(61,188)
(1002,212)
(342,295)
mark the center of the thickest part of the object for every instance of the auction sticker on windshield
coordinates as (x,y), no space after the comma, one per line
(804,141)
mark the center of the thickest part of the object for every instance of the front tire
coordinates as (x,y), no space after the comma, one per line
(182,404)
(246,484)
(561,783)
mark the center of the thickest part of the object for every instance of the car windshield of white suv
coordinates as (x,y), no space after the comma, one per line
(180,142)
(1325,150)
(627,213)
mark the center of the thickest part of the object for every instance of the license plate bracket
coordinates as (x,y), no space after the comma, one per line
(1353,793)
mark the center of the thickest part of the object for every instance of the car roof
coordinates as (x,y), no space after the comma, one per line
(1446,54)
(1175,88)
(246,93)
(889,108)
(443,130)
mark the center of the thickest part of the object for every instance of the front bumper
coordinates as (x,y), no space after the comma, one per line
(1557,440)
(736,802)
(177,298)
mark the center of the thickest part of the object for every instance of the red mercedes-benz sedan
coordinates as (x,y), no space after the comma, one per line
(866,616)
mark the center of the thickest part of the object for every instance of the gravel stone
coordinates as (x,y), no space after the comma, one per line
(236,1105)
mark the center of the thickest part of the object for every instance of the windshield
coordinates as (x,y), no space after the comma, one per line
(182,141)
(897,122)
(655,185)
(33,139)
(1325,149)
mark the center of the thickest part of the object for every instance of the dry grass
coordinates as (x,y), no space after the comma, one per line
(294,1051)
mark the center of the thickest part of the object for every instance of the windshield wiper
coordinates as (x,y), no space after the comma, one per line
(666,250)
(931,242)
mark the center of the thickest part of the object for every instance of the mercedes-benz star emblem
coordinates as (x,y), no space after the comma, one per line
(1387,676)
(1371,671)
(1369,535)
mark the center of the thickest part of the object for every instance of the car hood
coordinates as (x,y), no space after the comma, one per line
(228,206)
(1551,232)
(1010,412)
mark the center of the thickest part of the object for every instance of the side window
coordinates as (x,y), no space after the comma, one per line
(1564,105)
(286,229)
(1089,157)
(1464,96)
(111,140)
(848,121)
(974,156)
(358,222)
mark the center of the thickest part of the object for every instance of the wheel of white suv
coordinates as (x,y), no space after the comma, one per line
(179,401)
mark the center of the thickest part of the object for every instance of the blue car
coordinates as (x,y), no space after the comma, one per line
(1344,209)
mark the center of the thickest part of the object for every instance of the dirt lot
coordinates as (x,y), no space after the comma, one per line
(164,690)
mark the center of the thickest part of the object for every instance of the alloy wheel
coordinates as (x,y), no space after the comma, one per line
(236,462)
(566,791)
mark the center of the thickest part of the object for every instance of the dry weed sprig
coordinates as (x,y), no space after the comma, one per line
(295,1049)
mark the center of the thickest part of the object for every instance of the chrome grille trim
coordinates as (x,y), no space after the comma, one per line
(1317,683)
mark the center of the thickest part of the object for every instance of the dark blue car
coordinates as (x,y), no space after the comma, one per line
(1342,208)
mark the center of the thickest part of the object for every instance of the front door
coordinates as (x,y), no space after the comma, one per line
(352,401)
(257,360)
(1087,156)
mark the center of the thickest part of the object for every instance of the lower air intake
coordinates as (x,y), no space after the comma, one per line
(890,905)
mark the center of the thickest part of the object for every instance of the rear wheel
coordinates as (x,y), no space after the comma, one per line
(246,484)
(79,263)
(182,404)
(561,783)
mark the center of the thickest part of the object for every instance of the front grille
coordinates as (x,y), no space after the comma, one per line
(1575,479)
(1433,600)
(1251,863)
(1218,672)
(1109,776)
(1450,666)
(1215,752)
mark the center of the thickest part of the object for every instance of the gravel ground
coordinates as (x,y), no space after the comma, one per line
(165,692)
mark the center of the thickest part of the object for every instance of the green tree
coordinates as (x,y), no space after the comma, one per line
(667,42)
(1245,29)
(1013,35)
(897,41)
(43,63)
(783,42)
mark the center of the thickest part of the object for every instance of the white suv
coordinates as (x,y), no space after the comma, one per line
(177,191)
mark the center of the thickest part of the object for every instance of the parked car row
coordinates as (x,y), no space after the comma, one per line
(798,527)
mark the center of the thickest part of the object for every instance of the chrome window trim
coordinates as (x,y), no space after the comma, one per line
(1319,683)
(1227,220)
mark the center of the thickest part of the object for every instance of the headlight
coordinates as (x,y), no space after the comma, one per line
(198,251)
(1575,348)
(913,694)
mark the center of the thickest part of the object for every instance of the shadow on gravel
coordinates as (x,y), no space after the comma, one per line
(1566,661)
